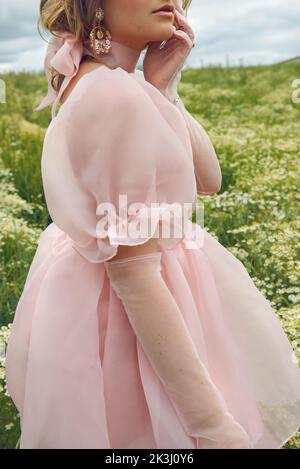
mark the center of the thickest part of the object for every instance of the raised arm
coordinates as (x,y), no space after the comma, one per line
(207,167)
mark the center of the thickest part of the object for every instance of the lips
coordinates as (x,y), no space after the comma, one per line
(168,8)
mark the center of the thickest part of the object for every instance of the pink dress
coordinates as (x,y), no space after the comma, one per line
(74,368)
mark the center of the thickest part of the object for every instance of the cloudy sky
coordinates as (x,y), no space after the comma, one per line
(227,31)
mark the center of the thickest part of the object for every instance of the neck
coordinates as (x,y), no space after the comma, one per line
(119,55)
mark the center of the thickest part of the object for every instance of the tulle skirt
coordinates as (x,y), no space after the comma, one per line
(80,379)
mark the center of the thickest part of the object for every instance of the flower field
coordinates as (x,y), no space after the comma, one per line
(254,125)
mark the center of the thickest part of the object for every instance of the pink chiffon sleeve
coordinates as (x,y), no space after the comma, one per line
(107,149)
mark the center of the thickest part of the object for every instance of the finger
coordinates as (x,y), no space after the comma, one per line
(179,39)
(164,47)
(178,6)
(157,46)
(184,25)
(183,36)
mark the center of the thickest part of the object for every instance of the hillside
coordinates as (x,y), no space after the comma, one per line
(255,128)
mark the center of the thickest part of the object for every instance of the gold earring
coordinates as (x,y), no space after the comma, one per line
(99,36)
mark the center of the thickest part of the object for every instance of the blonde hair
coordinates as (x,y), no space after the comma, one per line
(186,4)
(74,16)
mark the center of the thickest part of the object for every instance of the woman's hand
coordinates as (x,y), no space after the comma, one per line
(162,66)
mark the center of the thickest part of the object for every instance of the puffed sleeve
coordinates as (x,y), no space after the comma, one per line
(111,165)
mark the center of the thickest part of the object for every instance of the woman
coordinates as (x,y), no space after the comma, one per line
(124,339)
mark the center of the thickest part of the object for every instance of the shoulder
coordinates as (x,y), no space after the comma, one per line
(111,89)
(108,101)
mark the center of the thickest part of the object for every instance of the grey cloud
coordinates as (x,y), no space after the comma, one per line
(259,31)
(18,19)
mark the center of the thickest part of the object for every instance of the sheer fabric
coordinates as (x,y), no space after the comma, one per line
(74,367)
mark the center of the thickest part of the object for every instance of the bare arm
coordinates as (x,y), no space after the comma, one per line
(207,167)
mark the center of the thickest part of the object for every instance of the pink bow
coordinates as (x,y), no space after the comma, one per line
(194,237)
(64,54)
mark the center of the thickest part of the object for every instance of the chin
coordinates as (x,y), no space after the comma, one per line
(163,33)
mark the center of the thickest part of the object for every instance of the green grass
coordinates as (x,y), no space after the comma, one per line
(255,128)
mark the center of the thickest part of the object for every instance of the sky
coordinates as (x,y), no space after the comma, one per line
(227,32)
